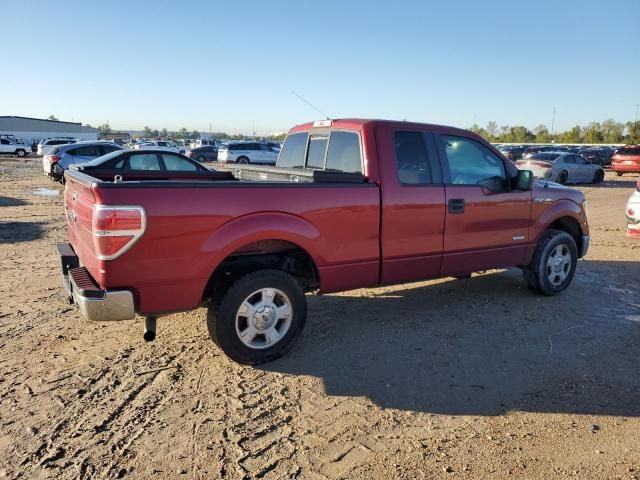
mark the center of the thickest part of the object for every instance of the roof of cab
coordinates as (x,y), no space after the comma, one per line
(357,123)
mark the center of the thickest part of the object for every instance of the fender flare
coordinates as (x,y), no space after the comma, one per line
(254,227)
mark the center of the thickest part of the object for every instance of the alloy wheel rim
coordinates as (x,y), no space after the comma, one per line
(264,318)
(558,264)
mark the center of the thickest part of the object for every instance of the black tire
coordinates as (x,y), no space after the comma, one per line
(21,153)
(619,174)
(243,160)
(598,176)
(201,158)
(221,317)
(537,273)
(563,178)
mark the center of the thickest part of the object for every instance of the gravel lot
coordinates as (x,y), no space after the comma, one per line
(476,378)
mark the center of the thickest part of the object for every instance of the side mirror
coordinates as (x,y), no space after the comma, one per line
(524,180)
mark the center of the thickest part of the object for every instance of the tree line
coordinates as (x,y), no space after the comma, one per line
(608,131)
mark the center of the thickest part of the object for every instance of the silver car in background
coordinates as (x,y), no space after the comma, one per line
(562,167)
(59,158)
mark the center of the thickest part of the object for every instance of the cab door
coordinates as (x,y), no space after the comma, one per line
(413,204)
(487,222)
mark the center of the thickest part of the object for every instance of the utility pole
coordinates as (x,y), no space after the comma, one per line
(553,121)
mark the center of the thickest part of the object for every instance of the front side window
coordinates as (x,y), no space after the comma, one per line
(292,153)
(471,163)
(343,153)
(144,161)
(173,163)
(316,151)
(412,161)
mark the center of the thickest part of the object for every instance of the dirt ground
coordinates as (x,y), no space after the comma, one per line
(475,378)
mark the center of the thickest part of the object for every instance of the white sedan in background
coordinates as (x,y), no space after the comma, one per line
(562,167)
(632,212)
(163,145)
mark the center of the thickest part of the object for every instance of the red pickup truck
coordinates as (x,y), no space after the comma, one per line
(359,203)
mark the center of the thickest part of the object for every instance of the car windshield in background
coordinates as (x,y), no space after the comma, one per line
(628,151)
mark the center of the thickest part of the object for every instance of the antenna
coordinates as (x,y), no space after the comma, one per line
(310,104)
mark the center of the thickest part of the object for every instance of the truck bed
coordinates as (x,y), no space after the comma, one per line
(192,225)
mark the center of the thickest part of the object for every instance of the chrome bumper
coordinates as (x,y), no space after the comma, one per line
(585,245)
(93,302)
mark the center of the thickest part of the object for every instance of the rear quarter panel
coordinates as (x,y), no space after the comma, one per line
(191,230)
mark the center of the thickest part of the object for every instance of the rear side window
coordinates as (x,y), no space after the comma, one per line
(108,149)
(144,161)
(86,151)
(344,152)
(316,151)
(292,153)
(174,163)
(628,151)
(412,161)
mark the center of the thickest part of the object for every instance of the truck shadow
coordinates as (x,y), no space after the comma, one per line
(481,346)
(11,202)
(13,232)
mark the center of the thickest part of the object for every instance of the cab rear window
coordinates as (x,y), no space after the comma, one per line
(339,152)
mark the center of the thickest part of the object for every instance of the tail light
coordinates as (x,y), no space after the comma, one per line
(116,229)
(53,158)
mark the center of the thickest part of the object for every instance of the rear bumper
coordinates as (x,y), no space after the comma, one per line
(93,302)
(621,167)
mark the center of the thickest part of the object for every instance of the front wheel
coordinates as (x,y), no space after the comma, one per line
(619,174)
(259,317)
(21,153)
(554,263)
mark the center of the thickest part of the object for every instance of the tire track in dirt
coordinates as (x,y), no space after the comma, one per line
(116,406)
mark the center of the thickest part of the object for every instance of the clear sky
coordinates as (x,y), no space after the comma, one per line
(171,64)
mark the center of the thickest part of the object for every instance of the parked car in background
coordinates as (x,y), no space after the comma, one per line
(148,164)
(512,152)
(48,144)
(597,156)
(626,160)
(248,152)
(207,153)
(562,167)
(164,145)
(632,212)
(14,147)
(61,157)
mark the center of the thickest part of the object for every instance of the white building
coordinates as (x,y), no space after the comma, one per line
(32,130)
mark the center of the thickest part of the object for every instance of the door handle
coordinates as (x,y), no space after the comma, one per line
(456,205)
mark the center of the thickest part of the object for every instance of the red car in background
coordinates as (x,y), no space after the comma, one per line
(626,160)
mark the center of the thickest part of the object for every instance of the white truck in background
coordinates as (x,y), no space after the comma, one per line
(14,147)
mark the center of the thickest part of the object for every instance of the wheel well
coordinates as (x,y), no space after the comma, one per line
(571,226)
(273,254)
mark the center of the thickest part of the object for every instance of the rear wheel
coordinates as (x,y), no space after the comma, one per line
(259,317)
(243,160)
(619,174)
(563,178)
(554,263)
(598,176)
(201,159)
